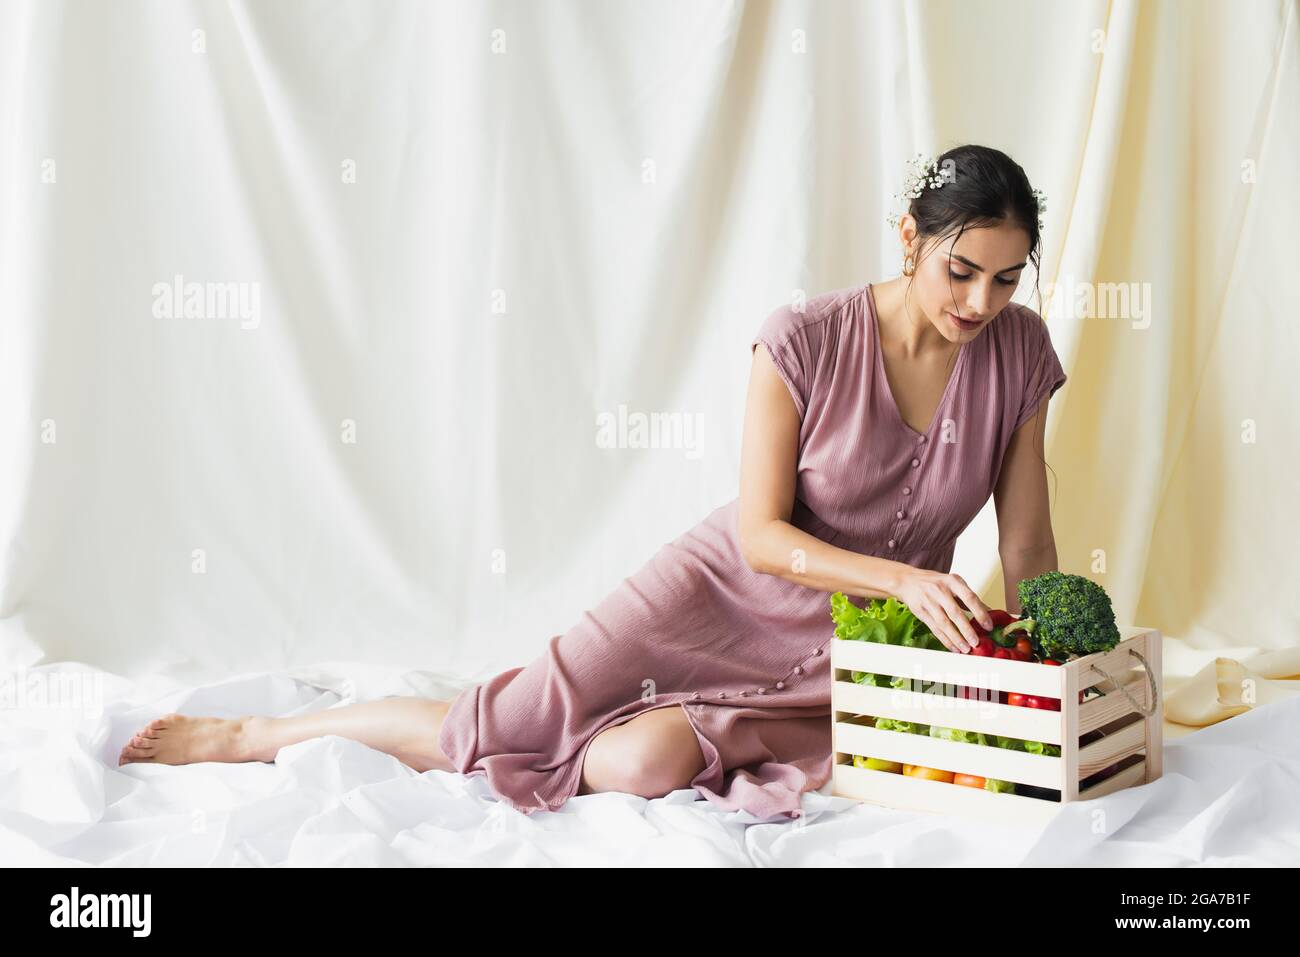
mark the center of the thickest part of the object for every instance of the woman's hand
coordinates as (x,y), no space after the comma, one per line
(934,598)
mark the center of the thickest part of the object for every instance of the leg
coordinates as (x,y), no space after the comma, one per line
(405,727)
(651,755)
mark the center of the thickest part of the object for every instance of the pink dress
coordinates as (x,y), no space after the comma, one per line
(746,654)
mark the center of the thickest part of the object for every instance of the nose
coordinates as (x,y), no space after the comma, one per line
(980,298)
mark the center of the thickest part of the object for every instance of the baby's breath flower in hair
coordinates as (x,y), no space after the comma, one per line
(924,173)
(921,174)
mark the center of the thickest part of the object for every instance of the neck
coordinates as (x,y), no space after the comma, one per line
(903,324)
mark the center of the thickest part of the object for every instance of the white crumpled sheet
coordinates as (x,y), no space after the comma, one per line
(1227,798)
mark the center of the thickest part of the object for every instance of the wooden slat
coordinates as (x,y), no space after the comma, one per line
(989,717)
(1069,722)
(936,797)
(946,667)
(1114,747)
(1097,712)
(1117,659)
(988,762)
(1155,725)
(1116,782)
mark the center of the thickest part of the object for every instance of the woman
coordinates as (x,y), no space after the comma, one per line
(879,420)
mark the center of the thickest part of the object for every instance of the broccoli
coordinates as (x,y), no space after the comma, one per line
(1071,615)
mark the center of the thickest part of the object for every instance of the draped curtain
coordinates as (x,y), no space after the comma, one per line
(402,332)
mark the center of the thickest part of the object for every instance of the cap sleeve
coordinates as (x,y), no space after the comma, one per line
(1043,373)
(793,340)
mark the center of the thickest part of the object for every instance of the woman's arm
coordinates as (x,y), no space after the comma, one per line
(768,462)
(771,545)
(1025,541)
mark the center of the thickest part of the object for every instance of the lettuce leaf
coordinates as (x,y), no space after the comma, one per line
(909,727)
(884,620)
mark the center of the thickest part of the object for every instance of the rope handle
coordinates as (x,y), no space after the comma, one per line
(1155,693)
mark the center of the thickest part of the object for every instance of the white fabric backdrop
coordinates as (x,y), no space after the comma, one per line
(474,228)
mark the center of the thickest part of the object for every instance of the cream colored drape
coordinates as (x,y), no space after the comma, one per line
(1175,441)
(479,230)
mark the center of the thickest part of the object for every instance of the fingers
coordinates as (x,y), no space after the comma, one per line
(960,620)
(946,631)
(972,601)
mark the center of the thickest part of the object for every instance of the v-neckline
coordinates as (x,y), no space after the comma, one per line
(878,349)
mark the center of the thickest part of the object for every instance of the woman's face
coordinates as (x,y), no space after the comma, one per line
(971,278)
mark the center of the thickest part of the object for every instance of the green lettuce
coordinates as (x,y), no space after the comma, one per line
(909,727)
(886,621)
(956,734)
(1029,747)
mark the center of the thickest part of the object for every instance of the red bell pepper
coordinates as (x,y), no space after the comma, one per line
(1001,618)
(1005,635)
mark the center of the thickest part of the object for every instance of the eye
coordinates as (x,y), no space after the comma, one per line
(961,276)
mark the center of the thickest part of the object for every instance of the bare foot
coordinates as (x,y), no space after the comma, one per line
(180,739)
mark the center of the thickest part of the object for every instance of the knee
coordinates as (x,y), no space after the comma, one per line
(649,764)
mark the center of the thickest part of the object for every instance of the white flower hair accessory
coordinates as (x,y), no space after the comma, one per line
(923,173)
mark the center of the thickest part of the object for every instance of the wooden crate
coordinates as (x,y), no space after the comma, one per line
(1128,736)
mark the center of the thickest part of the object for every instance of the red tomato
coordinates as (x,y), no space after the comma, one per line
(1043,704)
(1016,699)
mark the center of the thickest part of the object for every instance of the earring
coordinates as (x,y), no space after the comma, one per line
(909,267)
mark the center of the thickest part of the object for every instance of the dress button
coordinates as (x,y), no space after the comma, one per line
(695,694)
(722,694)
(907,490)
(780,686)
(900,513)
(922,438)
(915,462)
(891,543)
(798,669)
(816,652)
(762,691)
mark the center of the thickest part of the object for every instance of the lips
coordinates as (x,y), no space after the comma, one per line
(963,323)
